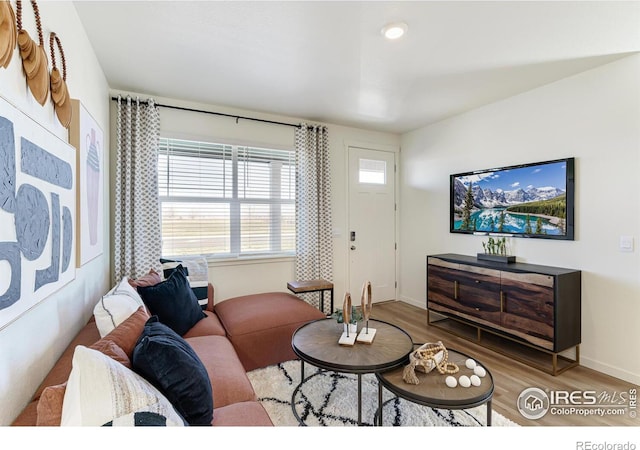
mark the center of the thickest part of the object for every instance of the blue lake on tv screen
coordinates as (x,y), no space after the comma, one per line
(513,223)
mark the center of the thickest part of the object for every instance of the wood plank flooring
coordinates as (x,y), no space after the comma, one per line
(512,377)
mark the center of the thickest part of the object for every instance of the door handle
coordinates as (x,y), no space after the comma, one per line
(353,247)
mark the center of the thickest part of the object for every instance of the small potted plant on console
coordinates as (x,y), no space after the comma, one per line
(496,250)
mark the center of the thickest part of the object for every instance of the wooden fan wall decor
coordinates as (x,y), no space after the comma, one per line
(8,33)
(34,57)
(59,91)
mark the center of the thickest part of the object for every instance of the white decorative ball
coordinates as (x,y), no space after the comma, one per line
(480,371)
(451,381)
(475,380)
(464,381)
(470,363)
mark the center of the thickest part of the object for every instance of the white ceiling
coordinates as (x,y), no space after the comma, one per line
(327,61)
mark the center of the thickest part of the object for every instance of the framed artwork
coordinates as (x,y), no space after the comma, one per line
(37,213)
(86,136)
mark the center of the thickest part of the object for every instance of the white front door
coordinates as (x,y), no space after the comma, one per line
(372,223)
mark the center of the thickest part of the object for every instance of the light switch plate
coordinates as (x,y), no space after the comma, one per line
(626,243)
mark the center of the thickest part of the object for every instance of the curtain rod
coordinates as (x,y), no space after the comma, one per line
(234,116)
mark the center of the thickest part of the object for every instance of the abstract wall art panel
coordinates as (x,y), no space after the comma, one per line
(37,213)
(86,136)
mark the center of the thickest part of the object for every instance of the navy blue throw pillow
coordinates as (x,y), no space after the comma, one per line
(173,302)
(168,362)
(199,285)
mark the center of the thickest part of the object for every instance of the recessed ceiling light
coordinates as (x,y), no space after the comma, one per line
(394,30)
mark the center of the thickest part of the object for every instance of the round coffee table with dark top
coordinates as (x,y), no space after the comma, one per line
(432,390)
(316,343)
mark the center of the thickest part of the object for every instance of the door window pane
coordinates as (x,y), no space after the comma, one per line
(372,171)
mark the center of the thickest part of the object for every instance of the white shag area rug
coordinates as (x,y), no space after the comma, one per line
(331,399)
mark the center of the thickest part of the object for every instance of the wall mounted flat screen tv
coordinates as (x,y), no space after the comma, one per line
(534,200)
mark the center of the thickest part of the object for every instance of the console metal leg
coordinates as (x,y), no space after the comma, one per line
(489,413)
(359,399)
(380,405)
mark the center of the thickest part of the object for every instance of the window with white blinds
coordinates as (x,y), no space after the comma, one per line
(226,200)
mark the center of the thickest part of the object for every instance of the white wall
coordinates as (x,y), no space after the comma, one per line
(593,116)
(31,344)
(241,277)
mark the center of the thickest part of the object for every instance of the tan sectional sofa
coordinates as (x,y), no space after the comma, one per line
(236,336)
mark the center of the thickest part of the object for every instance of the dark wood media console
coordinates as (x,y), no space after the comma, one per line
(522,304)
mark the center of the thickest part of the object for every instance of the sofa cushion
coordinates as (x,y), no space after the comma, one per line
(242,414)
(124,336)
(100,390)
(50,406)
(113,351)
(150,279)
(88,336)
(257,312)
(169,363)
(261,326)
(128,332)
(173,302)
(50,402)
(208,326)
(28,417)
(116,306)
(197,271)
(229,381)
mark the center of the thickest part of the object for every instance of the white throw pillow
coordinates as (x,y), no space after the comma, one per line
(125,288)
(116,306)
(102,391)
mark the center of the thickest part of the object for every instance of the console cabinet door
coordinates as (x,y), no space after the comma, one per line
(528,306)
(479,292)
(441,283)
(471,291)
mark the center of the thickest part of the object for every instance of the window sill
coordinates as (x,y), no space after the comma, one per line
(245,260)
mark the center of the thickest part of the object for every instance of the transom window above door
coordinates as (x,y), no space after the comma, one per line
(372,171)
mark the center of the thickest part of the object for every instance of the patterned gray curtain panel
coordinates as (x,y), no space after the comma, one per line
(314,246)
(137,239)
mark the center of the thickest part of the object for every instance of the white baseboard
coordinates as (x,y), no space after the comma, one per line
(610,370)
(413,302)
